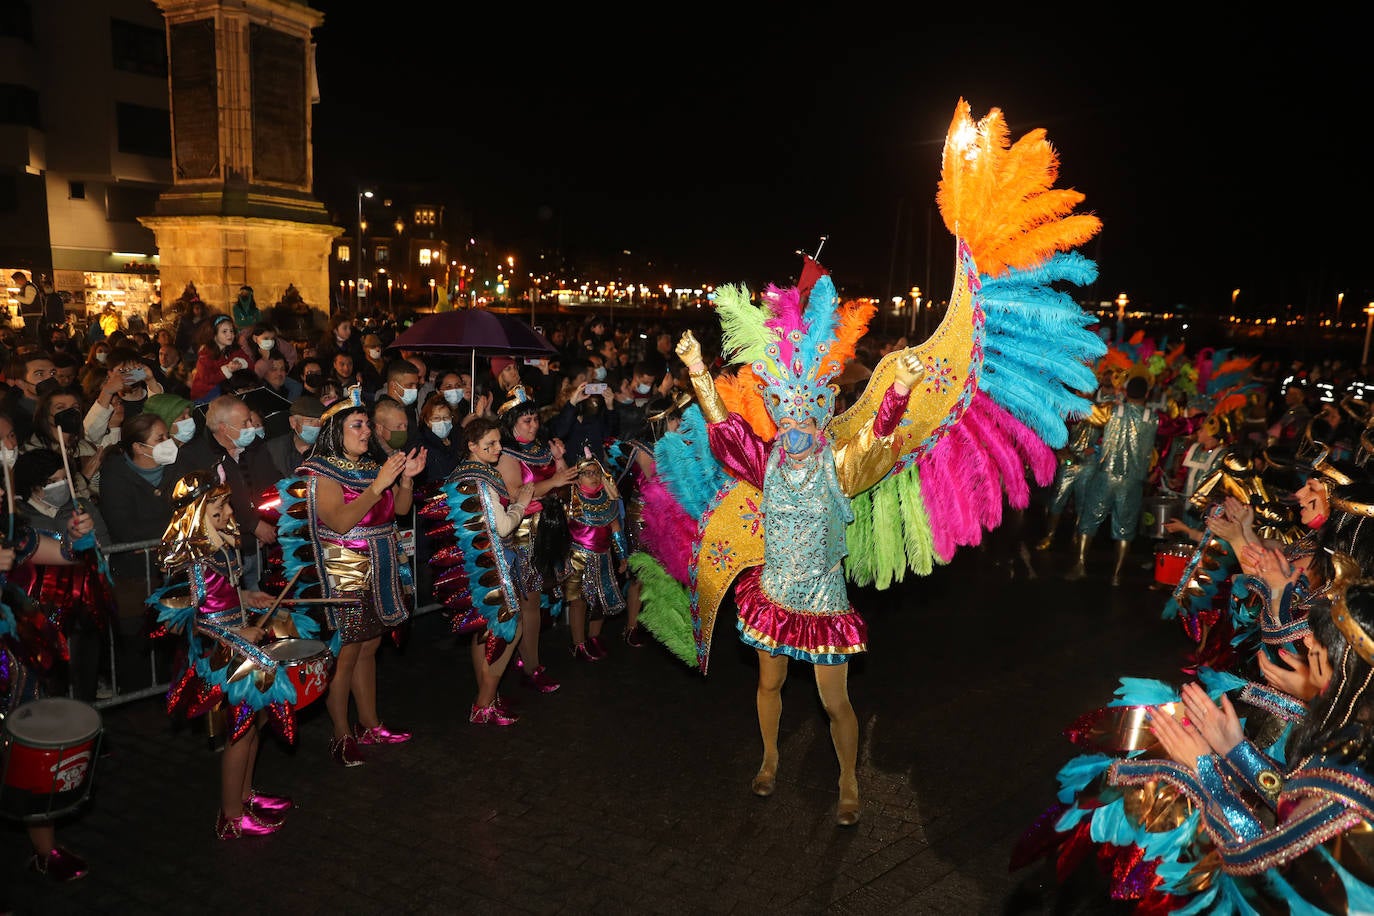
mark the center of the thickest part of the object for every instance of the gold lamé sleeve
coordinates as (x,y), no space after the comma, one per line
(1100,414)
(864,460)
(712,407)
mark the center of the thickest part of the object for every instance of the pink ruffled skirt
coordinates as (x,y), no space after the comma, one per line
(818,638)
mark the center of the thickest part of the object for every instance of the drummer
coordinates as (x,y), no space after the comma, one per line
(1212,442)
(224,663)
(20,544)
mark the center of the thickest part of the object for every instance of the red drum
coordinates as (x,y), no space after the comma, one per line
(309,664)
(49,749)
(1170,562)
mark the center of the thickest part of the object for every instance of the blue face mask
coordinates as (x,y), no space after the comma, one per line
(452,396)
(795,441)
(245,437)
(309,434)
(599,373)
(183,430)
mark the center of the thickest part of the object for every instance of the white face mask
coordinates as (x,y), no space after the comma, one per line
(101,357)
(183,430)
(642,388)
(453,396)
(408,395)
(165,452)
(374,354)
(8,456)
(441,428)
(57,493)
(267,343)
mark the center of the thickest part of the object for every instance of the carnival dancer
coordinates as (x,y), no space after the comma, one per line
(638,478)
(525,459)
(354,499)
(481,517)
(598,552)
(30,646)
(1076,465)
(894,483)
(203,601)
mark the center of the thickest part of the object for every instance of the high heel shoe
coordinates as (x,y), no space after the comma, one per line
(275,804)
(539,679)
(59,865)
(596,648)
(246,824)
(582,653)
(491,714)
(345,751)
(379,734)
(633,637)
(765,781)
(847,812)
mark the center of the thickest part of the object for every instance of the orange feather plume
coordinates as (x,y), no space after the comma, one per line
(851,327)
(740,394)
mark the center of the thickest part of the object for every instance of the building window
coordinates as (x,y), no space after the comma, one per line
(345,254)
(424,257)
(138,49)
(76,190)
(19,105)
(424,217)
(143,131)
(382,255)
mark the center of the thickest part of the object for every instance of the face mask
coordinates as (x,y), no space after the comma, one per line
(795,441)
(57,493)
(101,356)
(8,456)
(165,452)
(183,430)
(599,373)
(408,395)
(259,432)
(309,434)
(453,396)
(313,380)
(245,437)
(589,490)
(267,343)
(1317,521)
(134,376)
(642,388)
(374,354)
(69,421)
(167,370)
(397,439)
(441,428)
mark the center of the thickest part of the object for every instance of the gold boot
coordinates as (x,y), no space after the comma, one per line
(1122,548)
(1080,568)
(1048,541)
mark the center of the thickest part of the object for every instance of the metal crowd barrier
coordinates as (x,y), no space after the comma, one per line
(157,687)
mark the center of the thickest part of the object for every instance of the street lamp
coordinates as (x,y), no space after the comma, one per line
(1369,325)
(358,267)
(915,308)
(1340,297)
(433,294)
(389,284)
(1121,302)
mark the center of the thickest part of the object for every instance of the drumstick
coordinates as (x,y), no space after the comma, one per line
(67,466)
(9,497)
(262,621)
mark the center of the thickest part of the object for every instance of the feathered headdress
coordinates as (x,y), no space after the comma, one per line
(792,343)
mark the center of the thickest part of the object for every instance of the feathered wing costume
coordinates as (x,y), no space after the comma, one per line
(1001,374)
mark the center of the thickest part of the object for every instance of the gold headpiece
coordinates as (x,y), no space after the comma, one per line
(680,402)
(189,535)
(518,396)
(353,397)
(1347,573)
(1352,507)
(591,462)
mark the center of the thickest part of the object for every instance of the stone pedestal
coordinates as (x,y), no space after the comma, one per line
(241,209)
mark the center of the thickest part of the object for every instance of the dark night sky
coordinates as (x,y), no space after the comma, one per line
(1215,159)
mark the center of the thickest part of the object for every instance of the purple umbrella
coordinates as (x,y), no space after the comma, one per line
(474,331)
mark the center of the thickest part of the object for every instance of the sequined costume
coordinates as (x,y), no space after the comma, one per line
(594,552)
(1124,460)
(1076,462)
(479,575)
(361,566)
(537,464)
(31,645)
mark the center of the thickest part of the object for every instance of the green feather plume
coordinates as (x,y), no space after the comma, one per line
(858,562)
(744,335)
(920,545)
(664,607)
(889,549)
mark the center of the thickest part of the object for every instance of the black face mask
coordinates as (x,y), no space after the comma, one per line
(69,421)
(45,387)
(313,380)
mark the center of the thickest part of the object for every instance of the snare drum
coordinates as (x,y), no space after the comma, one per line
(48,750)
(1170,562)
(309,664)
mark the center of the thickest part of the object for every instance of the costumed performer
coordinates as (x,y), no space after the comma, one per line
(598,551)
(203,600)
(483,518)
(29,648)
(526,459)
(355,496)
(796,605)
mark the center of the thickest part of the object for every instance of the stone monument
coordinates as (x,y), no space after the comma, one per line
(240,210)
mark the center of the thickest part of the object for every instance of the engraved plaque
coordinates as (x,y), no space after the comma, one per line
(195,100)
(279,97)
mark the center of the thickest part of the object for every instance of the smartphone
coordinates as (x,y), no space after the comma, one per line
(595,388)
(532,361)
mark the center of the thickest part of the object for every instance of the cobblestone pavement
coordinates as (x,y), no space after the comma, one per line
(627,790)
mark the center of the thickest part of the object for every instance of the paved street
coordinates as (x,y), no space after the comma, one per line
(627,791)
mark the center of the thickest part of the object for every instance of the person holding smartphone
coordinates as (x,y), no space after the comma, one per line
(588,421)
